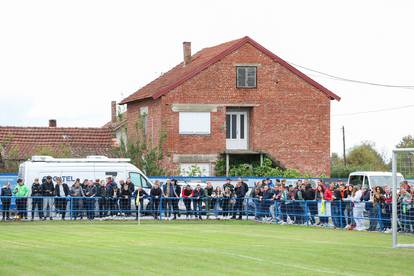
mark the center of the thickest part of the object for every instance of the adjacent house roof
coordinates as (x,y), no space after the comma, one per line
(19,143)
(114,126)
(202,60)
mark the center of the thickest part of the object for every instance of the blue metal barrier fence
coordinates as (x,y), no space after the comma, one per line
(339,214)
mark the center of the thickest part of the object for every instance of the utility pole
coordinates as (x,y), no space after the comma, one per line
(343,140)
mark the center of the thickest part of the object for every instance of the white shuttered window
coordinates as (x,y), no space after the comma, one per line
(194,123)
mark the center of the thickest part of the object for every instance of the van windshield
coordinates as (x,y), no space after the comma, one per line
(138,180)
(384,180)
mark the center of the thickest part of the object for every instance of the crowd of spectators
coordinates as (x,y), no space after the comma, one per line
(338,205)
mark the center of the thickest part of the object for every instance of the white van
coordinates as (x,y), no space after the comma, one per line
(91,167)
(372,179)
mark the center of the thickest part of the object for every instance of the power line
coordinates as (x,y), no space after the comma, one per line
(375,111)
(353,80)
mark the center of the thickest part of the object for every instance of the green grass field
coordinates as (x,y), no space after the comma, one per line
(195,248)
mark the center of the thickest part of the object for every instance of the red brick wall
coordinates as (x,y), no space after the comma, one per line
(153,120)
(290,119)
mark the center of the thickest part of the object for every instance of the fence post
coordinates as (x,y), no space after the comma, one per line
(160,209)
(306,212)
(379,216)
(246,208)
(70,208)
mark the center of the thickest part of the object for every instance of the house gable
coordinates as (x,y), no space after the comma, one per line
(204,59)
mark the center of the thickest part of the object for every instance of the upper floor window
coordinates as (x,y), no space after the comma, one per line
(246,76)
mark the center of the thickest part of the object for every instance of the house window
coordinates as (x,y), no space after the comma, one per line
(194,122)
(143,112)
(246,76)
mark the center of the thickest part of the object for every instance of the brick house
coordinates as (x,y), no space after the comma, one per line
(234,99)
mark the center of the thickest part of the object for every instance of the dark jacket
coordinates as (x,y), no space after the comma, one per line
(48,189)
(240,191)
(131,187)
(209,191)
(6,192)
(268,194)
(110,188)
(142,194)
(36,189)
(156,192)
(198,193)
(228,185)
(308,194)
(337,194)
(100,191)
(172,190)
(366,196)
(65,190)
(177,189)
(125,194)
(90,190)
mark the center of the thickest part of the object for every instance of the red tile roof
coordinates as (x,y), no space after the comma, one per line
(202,60)
(22,142)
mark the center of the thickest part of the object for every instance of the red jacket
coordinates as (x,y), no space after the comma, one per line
(187,193)
(327,195)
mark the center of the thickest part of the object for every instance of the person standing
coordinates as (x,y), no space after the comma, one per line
(177,189)
(387,209)
(101,194)
(61,192)
(227,195)
(90,193)
(198,195)
(21,192)
(208,192)
(125,199)
(216,200)
(48,191)
(228,185)
(240,192)
(6,194)
(140,194)
(187,194)
(309,196)
(131,189)
(169,195)
(358,210)
(76,192)
(37,200)
(349,220)
(156,194)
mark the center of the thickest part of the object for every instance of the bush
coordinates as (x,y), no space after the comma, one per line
(267,169)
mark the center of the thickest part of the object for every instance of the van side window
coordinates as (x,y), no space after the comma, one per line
(356,180)
(366,182)
(139,180)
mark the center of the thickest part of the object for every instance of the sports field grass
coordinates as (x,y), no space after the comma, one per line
(195,248)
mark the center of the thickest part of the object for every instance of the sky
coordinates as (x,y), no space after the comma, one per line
(66,60)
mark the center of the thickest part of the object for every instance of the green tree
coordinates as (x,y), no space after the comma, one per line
(365,155)
(142,152)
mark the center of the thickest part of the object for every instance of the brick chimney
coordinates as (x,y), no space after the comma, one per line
(187,52)
(52,123)
(113,111)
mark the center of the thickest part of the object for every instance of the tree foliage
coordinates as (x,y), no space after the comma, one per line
(362,157)
(267,169)
(142,152)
